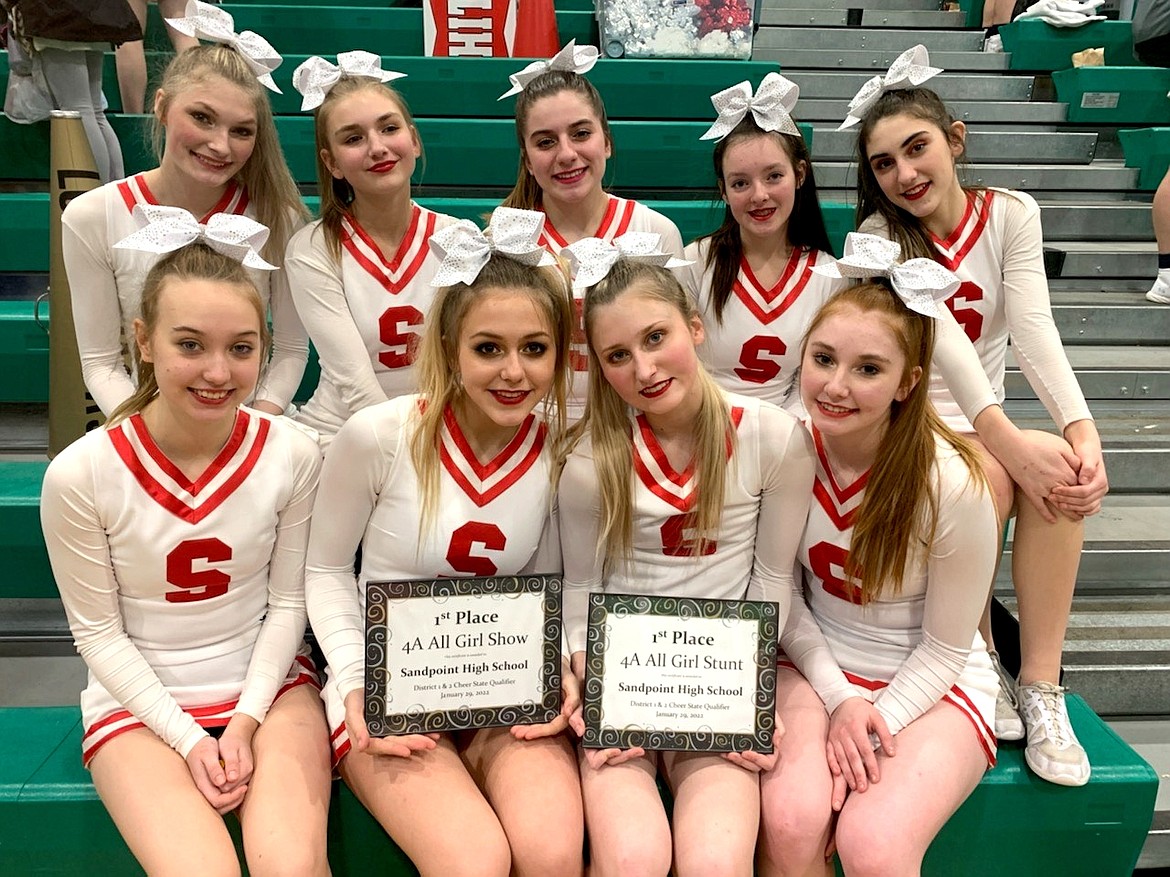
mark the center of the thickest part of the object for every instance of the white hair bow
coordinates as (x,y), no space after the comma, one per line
(169,228)
(771,106)
(315,77)
(465,249)
(204,21)
(590,259)
(578,59)
(909,70)
(922,284)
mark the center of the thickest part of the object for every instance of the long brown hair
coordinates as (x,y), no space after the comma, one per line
(337,195)
(607,422)
(265,175)
(438,355)
(904,227)
(899,507)
(526,193)
(806,225)
(195,261)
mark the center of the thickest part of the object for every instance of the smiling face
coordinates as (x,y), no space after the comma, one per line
(506,357)
(852,370)
(210,130)
(565,147)
(370,143)
(759,184)
(205,347)
(646,349)
(913,162)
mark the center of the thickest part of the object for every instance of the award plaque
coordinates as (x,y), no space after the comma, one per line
(678,673)
(451,654)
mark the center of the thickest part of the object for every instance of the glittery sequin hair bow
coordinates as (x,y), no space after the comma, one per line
(578,59)
(465,249)
(771,106)
(590,259)
(315,77)
(922,284)
(909,70)
(207,22)
(169,228)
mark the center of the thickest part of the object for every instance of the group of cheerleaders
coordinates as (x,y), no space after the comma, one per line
(739,427)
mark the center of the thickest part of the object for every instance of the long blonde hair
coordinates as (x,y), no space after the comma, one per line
(526,194)
(608,424)
(337,195)
(899,507)
(438,356)
(265,175)
(195,261)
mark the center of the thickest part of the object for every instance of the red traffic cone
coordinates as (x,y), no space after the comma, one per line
(536,30)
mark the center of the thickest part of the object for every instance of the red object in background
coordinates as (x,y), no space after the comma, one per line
(536,30)
(483,28)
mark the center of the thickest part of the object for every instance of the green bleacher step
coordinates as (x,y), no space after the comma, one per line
(24,242)
(51,820)
(1149,150)
(1115,95)
(298,29)
(1036,45)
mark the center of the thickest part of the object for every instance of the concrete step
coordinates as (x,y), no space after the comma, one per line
(818,84)
(1099,178)
(852,4)
(1096,221)
(1109,318)
(983,112)
(867,18)
(1107,372)
(1004,146)
(1105,261)
(1150,738)
(894,41)
(790,54)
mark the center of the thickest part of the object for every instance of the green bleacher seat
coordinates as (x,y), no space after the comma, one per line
(51,821)
(1148,149)
(299,29)
(1115,95)
(27,574)
(1035,45)
(24,243)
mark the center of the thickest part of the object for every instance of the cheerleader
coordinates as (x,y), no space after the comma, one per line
(677,488)
(909,191)
(893,727)
(456,481)
(213,126)
(177,537)
(361,274)
(565,141)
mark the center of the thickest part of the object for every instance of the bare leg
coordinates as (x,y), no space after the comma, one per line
(1160,291)
(165,820)
(997,12)
(796,795)
(885,830)
(716,815)
(432,809)
(285,812)
(130,59)
(176,9)
(628,832)
(534,787)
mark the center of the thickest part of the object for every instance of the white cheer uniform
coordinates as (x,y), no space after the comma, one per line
(106,291)
(755,350)
(765,502)
(492,518)
(998,251)
(185,598)
(621,216)
(365,315)
(903,652)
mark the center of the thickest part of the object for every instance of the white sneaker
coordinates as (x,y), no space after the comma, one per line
(1053,751)
(1008,724)
(1160,291)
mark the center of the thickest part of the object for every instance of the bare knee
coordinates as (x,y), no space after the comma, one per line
(794,832)
(711,861)
(289,861)
(633,857)
(870,850)
(548,858)
(490,859)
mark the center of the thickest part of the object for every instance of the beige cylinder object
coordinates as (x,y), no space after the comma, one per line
(72,170)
